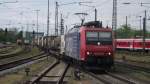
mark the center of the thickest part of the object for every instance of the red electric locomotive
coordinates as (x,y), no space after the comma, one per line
(90,45)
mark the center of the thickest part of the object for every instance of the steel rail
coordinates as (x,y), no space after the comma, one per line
(11,55)
(98,78)
(121,78)
(20,62)
(106,81)
(43,73)
(60,81)
(131,66)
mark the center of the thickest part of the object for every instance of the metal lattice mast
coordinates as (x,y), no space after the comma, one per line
(61,25)
(114,16)
(144,30)
(47,25)
(48,20)
(56,19)
(95,14)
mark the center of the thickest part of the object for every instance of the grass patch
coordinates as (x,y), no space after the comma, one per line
(137,57)
(9,79)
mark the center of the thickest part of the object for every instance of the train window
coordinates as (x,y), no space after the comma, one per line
(103,37)
(129,43)
(140,43)
(92,36)
(147,44)
(104,34)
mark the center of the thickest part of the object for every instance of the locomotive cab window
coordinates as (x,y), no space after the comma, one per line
(104,38)
(104,34)
(92,36)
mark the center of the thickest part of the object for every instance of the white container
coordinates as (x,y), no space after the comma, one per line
(62,45)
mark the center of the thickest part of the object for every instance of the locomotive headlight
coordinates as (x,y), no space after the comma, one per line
(109,53)
(87,53)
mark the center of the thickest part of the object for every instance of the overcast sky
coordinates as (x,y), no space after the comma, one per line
(22,12)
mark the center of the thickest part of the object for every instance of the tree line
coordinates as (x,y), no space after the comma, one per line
(9,35)
(126,31)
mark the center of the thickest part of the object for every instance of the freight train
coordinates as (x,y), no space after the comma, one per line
(132,44)
(89,45)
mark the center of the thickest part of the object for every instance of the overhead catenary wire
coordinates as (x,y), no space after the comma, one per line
(16,12)
(97,6)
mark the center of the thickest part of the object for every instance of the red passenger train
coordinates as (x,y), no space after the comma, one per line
(90,44)
(132,44)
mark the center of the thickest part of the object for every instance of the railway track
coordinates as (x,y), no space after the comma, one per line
(133,66)
(110,78)
(21,62)
(104,78)
(5,46)
(57,78)
(11,54)
(6,49)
